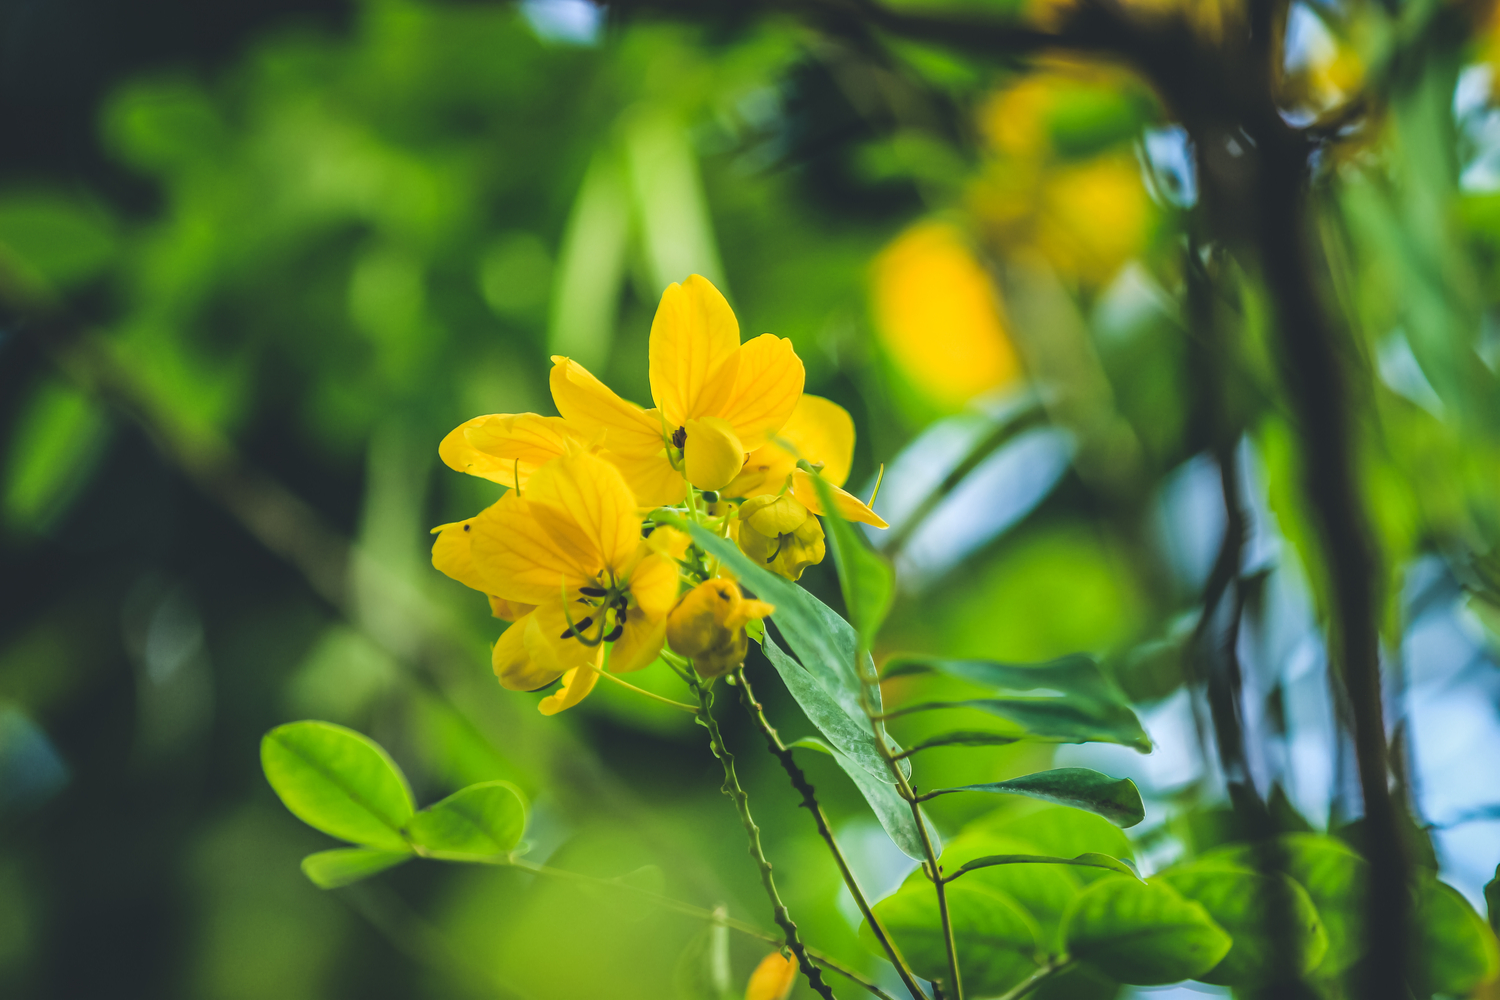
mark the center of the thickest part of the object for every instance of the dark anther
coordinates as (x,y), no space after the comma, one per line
(679,437)
(620,602)
(615,632)
(780,541)
(593,591)
(709,496)
(578,628)
(466,527)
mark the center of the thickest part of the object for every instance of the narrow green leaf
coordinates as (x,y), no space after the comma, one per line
(1277,934)
(866,580)
(1143,934)
(1069,700)
(338,781)
(997,940)
(1086,860)
(967,738)
(1454,949)
(847,734)
(331,869)
(481,821)
(894,812)
(1116,799)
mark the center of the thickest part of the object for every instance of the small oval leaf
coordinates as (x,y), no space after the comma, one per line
(481,821)
(331,869)
(1143,934)
(1116,799)
(338,781)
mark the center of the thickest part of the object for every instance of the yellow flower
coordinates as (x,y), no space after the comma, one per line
(708,626)
(453,554)
(716,399)
(506,448)
(773,978)
(569,545)
(780,534)
(821,432)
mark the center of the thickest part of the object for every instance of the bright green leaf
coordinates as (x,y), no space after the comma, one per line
(1037,828)
(1068,700)
(1492,900)
(894,812)
(996,939)
(1086,860)
(1116,799)
(331,869)
(483,820)
(1143,934)
(1455,950)
(338,781)
(866,580)
(1277,934)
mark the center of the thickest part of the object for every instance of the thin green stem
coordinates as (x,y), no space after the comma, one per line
(799,780)
(732,789)
(684,706)
(1037,978)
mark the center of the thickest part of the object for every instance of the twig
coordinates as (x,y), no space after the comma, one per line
(732,789)
(809,800)
(1037,978)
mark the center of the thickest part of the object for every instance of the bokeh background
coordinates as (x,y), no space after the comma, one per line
(257,258)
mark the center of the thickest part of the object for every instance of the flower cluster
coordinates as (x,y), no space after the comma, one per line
(574,553)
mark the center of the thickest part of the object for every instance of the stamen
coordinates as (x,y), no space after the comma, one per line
(577,628)
(592,591)
(615,632)
(646,529)
(679,437)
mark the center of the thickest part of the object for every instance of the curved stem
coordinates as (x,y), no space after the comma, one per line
(732,789)
(809,800)
(649,694)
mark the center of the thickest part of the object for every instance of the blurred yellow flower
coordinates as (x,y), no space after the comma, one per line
(716,399)
(708,626)
(938,315)
(773,978)
(568,544)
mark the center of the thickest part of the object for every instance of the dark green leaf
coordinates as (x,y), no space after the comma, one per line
(331,869)
(481,821)
(848,735)
(1455,950)
(1277,934)
(338,781)
(1086,860)
(996,939)
(1068,700)
(866,580)
(1116,799)
(1144,934)
(894,812)
(1492,900)
(967,738)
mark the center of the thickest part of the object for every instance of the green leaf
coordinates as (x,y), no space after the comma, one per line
(851,738)
(824,642)
(702,971)
(1455,950)
(1277,934)
(1086,860)
(894,812)
(481,821)
(1144,934)
(1116,799)
(1492,900)
(1038,828)
(967,738)
(331,869)
(338,781)
(866,580)
(996,939)
(1068,700)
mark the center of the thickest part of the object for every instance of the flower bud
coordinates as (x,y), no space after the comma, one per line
(773,978)
(780,534)
(708,626)
(711,453)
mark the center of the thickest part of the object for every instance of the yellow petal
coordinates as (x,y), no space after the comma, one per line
(505,447)
(509,611)
(640,643)
(591,406)
(772,979)
(667,541)
(712,454)
(849,506)
(651,476)
(522,560)
(576,685)
(592,493)
(452,553)
(654,585)
(821,430)
(694,351)
(512,661)
(773,515)
(766,390)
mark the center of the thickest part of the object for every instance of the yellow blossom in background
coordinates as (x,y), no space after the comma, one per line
(716,399)
(708,626)
(569,546)
(938,315)
(772,978)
